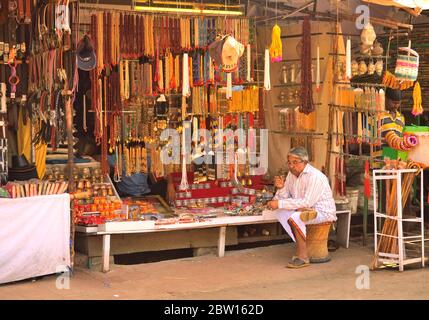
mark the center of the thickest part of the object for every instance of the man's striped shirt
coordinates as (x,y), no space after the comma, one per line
(310,190)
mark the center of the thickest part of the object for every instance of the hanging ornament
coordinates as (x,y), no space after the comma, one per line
(362,68)
(267,81)
(355,68)
(371,68)
(349,59)
(368,35)
(382,99)
(417,98)
(379,67)
(184,182)
(229,85)
(248,77)
(186,91)
(276,44)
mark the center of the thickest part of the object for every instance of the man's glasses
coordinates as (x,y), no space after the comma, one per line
(295,162)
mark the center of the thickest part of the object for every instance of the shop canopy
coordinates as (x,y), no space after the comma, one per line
(412,6)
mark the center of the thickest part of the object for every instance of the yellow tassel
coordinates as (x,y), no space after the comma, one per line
(417,98)
(276,45)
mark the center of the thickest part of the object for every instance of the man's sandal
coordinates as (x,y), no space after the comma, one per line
(296,263)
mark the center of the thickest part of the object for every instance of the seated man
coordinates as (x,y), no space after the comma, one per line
(304,187)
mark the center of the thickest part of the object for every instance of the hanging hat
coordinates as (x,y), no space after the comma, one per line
(215,51)
(368,35)
(232,50)
(393,94)
(21,169)
(86,59)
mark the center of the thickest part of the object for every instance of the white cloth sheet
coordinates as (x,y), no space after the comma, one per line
(284,215)
(34,236)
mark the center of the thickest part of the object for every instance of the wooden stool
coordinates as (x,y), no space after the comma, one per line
(317,242)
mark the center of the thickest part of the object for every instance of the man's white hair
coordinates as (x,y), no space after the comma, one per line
(299,152)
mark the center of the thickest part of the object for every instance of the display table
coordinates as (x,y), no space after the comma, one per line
(35,236)
(222,223)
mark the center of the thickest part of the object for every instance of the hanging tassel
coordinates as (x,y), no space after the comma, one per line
(211,70)
(417,98)
(161,76)
(367,190)
(318,70)
(267,80)
(248,77)
(229,85)
(186,92)
(382,100)
(276,44)
(184,182)
(349,59)
(195,131)
(359,131)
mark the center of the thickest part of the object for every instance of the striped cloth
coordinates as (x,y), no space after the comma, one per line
(310,190)
(388,123)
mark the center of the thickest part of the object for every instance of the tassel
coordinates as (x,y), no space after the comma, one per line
(417,98)
(184,182)
(276,44)
(186,91)
(161,76)
(248,77)
(367,190)
(195,131)
(267,81)
(349,59)
(229,85)
(382,99)
(359,132)
(211,70)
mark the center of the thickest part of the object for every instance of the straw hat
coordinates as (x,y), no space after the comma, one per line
(232,50)
(215,50)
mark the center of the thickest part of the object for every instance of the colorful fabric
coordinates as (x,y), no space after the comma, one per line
(389,123)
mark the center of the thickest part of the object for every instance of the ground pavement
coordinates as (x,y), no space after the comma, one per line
(257,273)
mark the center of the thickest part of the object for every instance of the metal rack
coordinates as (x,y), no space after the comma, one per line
(402,239)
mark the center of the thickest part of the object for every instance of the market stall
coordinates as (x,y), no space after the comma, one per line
(155,122)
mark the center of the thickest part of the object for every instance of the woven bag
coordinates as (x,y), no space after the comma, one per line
(407,65)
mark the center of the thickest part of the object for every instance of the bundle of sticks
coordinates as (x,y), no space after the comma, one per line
(387,242)
(34,188)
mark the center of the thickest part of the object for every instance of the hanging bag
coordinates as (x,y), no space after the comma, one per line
(407,65)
